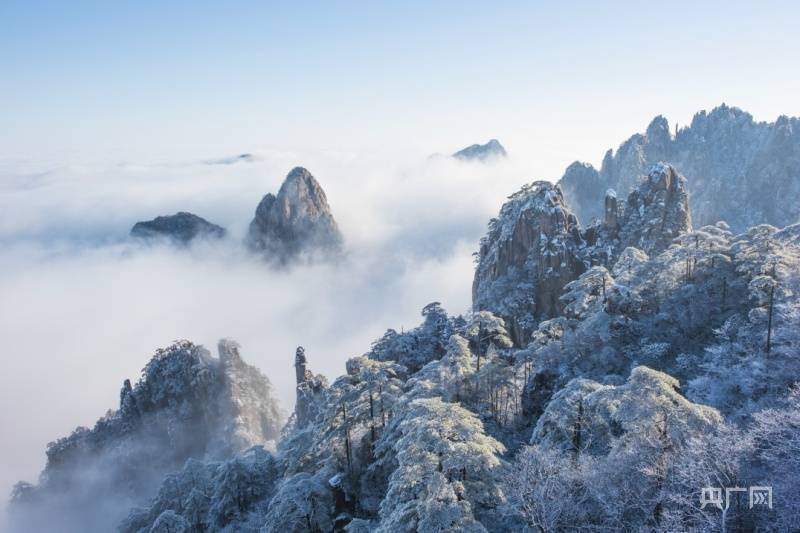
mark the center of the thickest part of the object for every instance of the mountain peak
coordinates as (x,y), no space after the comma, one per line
(533,244)
(180,228)
(482,152)
(741,171)
(297,221)
(187,405)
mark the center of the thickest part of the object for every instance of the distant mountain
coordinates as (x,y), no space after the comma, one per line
(740,171)
(241,158)
(296,223)
(181,228)
(482,152)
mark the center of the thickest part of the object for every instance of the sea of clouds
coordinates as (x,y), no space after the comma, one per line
(83,307)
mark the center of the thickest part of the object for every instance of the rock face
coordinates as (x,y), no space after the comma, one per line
(656,212)
(295,223)
(309,390)
(536,246)
(186,405)
(180,228)
(247,404)
(531,251)
(582,184)
(482,152)
(742,171)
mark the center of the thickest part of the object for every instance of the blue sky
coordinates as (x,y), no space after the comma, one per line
(560,81)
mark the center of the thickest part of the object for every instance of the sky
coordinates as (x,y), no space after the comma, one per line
(110,112)
(563,80)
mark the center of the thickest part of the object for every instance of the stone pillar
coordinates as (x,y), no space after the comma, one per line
(611,219)
(300,364)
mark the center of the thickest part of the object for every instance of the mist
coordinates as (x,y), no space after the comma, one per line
(83,307)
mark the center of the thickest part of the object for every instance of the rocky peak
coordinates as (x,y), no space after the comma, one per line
(187,404)
(529,254)
(658,131)
(536,246)
(657,211)
(298,221)
(309,390)
(582,180)
(301,373)
(252,415)
(482,152)
(654,214)
(180,228)
(742,171)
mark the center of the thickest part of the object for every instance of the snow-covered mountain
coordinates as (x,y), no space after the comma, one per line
(187,404)
(604,377)
(741,171)
(482,152)
(536,245)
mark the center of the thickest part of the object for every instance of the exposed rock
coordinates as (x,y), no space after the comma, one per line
(531,251)
(742,171)
(295,223)
(656,212)
(582,187)
(180,228)
(186,405)
(611,215)
(482,152)
(536,246)
(309,390)
(247,404)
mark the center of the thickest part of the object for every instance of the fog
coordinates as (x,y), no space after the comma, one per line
(83,307)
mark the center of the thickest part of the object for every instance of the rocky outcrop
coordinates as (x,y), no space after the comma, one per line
(582,187)
(309,390)
(252,413)
(296,223)
(180,228)
(742,171)
(186,405)
(656,212)
(482,152)
(536,246)
(531,251)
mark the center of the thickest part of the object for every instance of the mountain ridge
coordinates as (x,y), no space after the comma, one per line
(742,171)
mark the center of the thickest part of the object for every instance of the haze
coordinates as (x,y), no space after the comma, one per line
(111,112)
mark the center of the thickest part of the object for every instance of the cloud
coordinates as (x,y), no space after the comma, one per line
(83,308)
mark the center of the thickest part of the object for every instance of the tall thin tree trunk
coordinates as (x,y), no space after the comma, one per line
(347,437)
(371,419)
(383,414)
(604,289)
(769,320)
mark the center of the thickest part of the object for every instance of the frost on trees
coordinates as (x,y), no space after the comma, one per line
(187,404)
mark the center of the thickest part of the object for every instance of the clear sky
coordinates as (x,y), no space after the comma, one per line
(559,81)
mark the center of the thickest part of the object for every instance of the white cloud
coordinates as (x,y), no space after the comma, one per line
(83,309)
